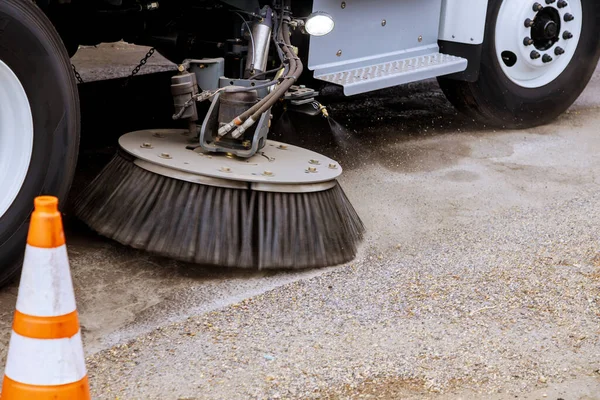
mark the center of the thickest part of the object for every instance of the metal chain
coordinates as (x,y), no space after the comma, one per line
(137,69)
(77,76)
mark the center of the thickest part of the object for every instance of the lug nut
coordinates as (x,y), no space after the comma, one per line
(538,7)
(225,169)
(333,166)
(569,17)
(312,170)
(268,173)
(528,23)
(146,146)
(166,156)
(562,4)
(546,58)
(314,162)
(535,55)
(528,41)
(559,50)
(567,35)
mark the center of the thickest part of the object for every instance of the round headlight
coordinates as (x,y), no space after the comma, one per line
(319,24)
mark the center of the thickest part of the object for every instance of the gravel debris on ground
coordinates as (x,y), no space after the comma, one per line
(479,277)
(495,292)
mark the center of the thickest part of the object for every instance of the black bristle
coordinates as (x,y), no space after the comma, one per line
(220,226)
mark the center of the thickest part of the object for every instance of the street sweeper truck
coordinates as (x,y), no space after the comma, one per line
(217,190)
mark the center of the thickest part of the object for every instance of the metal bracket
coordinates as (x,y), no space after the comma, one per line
(312,108)
(207,71)
(263,92)
(298,95)
(210,141)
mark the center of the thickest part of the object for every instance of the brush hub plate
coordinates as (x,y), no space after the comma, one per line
(278,167)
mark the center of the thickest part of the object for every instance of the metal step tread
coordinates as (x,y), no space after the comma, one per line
(394,73)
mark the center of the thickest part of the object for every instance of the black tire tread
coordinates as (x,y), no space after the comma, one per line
(490,107)
(30,15)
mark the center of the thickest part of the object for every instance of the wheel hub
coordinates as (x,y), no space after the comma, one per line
(535,43)
(546,28)
(16,136)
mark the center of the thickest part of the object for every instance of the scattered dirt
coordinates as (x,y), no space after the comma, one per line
(477,263)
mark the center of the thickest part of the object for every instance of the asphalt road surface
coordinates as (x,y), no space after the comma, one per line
(479,276)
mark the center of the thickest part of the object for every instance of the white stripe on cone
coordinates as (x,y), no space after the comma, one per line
(46,288)
(45,361)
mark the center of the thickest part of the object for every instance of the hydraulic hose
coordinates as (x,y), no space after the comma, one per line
(278,23)
(255,76)
(290,80)
(291,57)
(250,116)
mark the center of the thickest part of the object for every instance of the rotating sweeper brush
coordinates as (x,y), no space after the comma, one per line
(280,209)
(220,193)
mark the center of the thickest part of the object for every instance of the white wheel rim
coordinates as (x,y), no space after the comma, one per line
(16,137)
(511,31)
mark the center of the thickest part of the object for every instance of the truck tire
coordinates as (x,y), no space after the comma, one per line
(529,75)
(39,123)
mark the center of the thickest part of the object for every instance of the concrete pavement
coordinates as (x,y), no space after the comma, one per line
(479,272)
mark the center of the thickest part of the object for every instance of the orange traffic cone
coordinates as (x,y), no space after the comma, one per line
(45,356)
